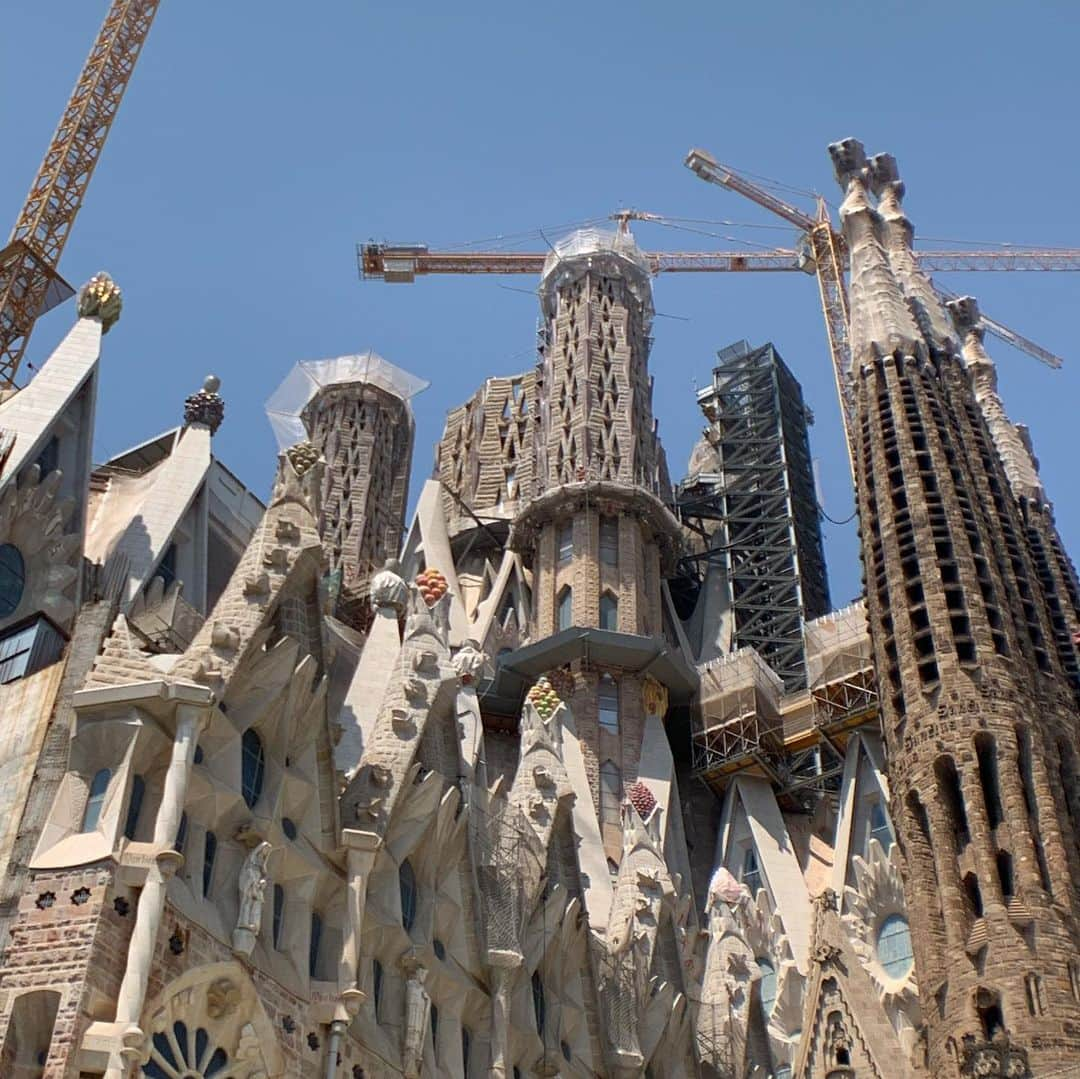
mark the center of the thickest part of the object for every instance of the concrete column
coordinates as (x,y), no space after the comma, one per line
(504,966)
(360,858)
(129,1004)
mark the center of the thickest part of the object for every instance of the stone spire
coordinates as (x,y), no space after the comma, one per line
(881,323)
(206,406)
(922,300)
(1015,453)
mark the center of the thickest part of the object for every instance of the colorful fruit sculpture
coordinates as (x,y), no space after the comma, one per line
(432,585)
(642,799)
(544,698)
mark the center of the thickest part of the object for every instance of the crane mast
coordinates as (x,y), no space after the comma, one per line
(29,280)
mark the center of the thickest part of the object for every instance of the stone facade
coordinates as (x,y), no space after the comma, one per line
(296,791)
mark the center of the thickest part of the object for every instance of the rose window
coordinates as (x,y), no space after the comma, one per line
(180,1053)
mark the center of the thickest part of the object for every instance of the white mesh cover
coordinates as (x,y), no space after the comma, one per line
(308,377)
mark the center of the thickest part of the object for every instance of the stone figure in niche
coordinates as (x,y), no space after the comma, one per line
(252,888)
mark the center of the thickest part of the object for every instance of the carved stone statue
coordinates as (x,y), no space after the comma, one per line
(252,888)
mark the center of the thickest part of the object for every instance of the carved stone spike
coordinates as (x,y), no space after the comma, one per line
(224,637)
(287,531)
(257,586)
(426,662)
(381,776)
(415,691)
(277,559)
(543,777)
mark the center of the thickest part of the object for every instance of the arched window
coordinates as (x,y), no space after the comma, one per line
(181,834)
(609,612)
(376,985)
(566,608)
(138,791)
(609,541)
(434,1015)
(253,766)
(607,704)
(209,854)
(894,946)
(407,883)
(1005,874)
(279,913)
(879,828)
(95,799)
(314,943)
(539,1003)
(610,792)
(751,871)
(768,984)
(466,1050)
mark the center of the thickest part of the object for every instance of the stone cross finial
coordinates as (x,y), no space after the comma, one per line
(206,406)
(100,298)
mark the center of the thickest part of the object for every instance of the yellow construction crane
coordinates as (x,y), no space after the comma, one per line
(30,283)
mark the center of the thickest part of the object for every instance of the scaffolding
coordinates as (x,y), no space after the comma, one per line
(755,509)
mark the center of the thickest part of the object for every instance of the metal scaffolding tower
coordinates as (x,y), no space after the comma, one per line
(754,506)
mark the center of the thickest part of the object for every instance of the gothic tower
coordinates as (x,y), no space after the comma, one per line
(599,533)
(965,603)
(355,411)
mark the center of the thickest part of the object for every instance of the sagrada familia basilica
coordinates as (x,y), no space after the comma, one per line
(569,771)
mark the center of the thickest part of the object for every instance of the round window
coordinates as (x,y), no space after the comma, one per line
(12,579)
(894,947)
(768,985)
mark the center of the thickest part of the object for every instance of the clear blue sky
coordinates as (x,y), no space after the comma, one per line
(259,142)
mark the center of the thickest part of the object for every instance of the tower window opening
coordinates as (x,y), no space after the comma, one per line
(610,793)
(751,871)
(609,612)
(565,542)
(566,608)
(253,766)
(609,541)
(986,753)
(407,886)
(138,792)
(607,703)
(314,943)
(990,1014)
(973,895)
(1033,990)
(209,857)
(279,914)
(1005,874)
(953,797)
(539,1002)
(879,827)
(95,799)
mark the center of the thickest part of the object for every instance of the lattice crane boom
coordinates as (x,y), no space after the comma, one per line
(29,281)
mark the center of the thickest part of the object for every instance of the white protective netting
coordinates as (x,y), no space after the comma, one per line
(308,377)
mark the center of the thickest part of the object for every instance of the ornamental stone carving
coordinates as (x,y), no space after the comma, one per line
(100,298)
(387,587)
(222,998)
(206,406)
(654,697)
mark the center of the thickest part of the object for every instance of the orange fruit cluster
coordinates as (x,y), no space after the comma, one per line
(544,698)
(432,585)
